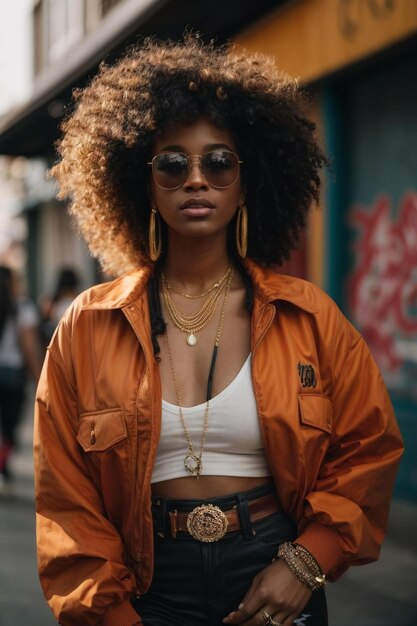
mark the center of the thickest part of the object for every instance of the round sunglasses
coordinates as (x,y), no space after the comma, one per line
(220,168)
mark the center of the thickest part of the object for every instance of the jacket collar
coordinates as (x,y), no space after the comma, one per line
(269,286)
(121,292)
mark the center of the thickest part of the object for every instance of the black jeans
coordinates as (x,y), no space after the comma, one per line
(198,584)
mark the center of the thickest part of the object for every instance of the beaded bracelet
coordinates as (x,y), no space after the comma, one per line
(308,559)
(297,567)
(312,579)
(302,564)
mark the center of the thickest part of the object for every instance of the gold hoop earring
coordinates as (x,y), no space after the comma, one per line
(155,242)
(242,230)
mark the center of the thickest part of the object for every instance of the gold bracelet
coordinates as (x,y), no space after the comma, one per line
(302,557)
(300,570)
(302,564)
(296,565)
(308,559)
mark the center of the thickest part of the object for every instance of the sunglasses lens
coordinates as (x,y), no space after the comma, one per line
(220,168)
(170,169)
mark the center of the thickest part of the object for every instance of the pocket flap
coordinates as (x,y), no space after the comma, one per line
(99,431)
(315,410)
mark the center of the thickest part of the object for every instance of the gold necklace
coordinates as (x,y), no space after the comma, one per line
(193,460)
(193,323)
(216,285)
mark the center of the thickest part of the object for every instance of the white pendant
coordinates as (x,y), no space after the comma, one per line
(193,465)
(191,339)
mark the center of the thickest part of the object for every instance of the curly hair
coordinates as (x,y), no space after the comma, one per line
(108,137)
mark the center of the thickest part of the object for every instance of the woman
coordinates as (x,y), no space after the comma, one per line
(213,440)
(19,353)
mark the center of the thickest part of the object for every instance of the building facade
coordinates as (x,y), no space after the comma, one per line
(360,57)
(359,60)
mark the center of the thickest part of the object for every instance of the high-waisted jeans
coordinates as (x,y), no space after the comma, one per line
(198,584)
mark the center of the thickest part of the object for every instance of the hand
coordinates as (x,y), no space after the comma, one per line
(275,590)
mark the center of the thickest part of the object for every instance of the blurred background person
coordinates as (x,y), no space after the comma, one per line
(53,307)
(19,355)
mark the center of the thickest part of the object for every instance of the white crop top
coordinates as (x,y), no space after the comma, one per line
(233,444)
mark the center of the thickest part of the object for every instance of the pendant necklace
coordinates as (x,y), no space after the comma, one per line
(193,460)
(194,322)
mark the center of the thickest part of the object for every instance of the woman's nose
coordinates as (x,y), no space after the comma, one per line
(195,177)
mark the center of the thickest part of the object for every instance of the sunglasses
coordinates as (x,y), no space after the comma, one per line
(220,168)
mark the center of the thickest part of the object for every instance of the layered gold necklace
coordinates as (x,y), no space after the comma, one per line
(193,460)
(194,322)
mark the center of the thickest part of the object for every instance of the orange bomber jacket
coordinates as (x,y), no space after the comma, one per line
(328,427)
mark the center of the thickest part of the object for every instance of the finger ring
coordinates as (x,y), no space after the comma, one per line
(268,621)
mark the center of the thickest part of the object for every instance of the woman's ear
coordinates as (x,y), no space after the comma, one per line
(242,192)
(242,198)
(149,193)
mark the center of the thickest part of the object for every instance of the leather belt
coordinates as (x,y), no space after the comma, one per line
(209,523)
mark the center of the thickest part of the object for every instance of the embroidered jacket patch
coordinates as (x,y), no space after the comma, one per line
(307,375)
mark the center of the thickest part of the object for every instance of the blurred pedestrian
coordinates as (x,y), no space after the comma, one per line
(213,440)
(52,308)
(19,354)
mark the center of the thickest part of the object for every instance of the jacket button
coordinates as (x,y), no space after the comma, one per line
(92,438)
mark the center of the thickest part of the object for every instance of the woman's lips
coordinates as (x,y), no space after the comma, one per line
(197,211)
(197,207)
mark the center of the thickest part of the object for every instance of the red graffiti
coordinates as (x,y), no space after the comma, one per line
(383,285)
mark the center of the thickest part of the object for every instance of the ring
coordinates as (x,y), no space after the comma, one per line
(268,621)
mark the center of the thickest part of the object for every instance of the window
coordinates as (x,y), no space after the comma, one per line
(60,24)
(107,5)
(65,22)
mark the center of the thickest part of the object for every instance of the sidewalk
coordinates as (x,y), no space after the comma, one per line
(379,594)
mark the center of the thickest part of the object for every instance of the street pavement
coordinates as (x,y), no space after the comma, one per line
(379,594)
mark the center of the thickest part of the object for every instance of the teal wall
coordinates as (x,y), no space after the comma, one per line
(336,191)
(370,121)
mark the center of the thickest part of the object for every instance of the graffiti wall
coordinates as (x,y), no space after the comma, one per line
(379,216)
(382,286)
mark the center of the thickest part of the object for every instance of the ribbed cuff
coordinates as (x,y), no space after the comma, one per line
(323,543)
(122,614)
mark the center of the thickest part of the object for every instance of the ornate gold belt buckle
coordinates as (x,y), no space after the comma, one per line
(207,523)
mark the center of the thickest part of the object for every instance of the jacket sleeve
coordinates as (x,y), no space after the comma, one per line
(345,515)
(80,553)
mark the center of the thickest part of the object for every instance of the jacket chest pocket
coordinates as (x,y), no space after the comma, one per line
(103,436)
(315,414)
(315,411)
(101,431)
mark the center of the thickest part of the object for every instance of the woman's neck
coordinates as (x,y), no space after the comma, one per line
(194,266)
